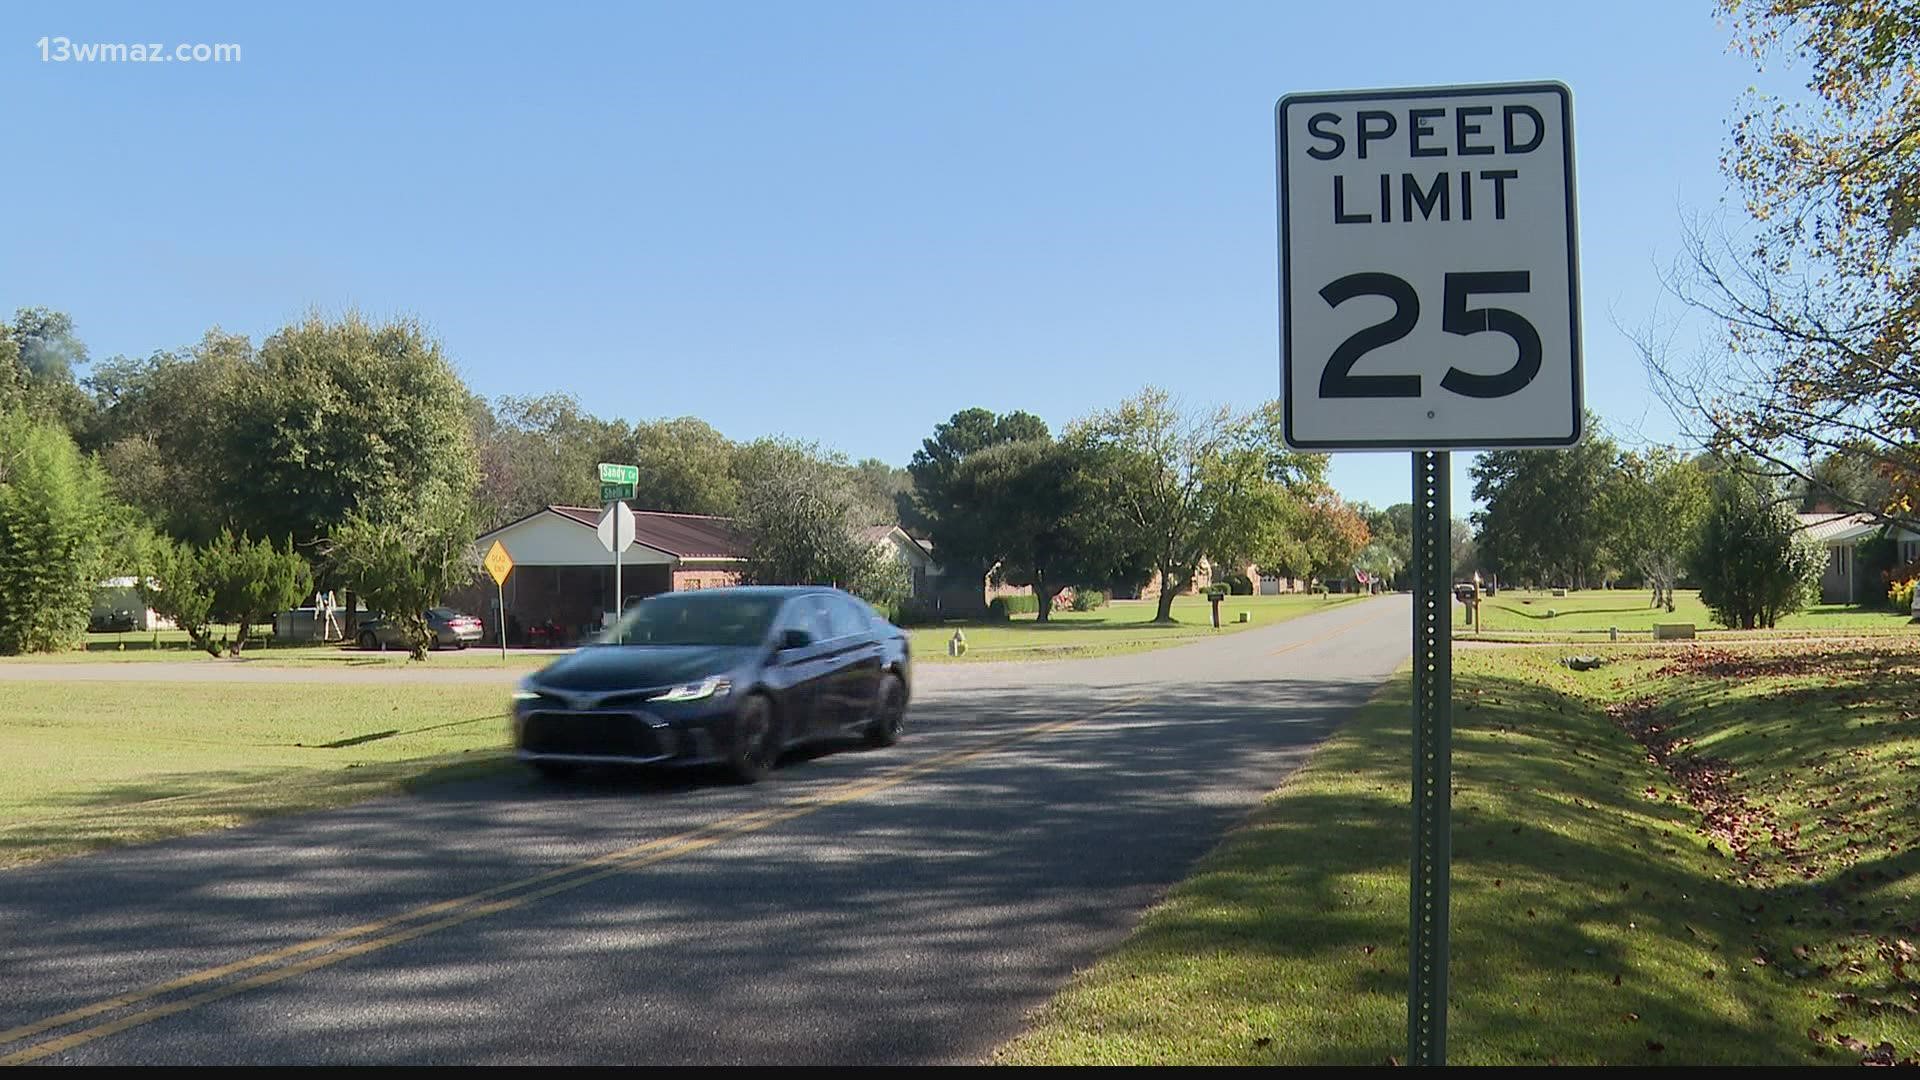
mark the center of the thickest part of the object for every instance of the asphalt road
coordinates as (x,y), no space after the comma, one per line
(903,906)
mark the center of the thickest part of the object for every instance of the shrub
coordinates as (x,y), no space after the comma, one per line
(1217,591)
(1900,595)
(1753,563)
(230,580)
(1004,607)
(910,613)
(1088,599)
(1240,585)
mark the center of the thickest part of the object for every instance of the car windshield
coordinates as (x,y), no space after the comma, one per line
(441,613)
(695,619)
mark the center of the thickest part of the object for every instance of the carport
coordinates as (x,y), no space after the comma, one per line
(561,586)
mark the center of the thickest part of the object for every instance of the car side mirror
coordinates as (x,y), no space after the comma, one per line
(795,639)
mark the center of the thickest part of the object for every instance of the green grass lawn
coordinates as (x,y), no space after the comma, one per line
(1594,611)
(1597,916)
(90,765)
(1120,627)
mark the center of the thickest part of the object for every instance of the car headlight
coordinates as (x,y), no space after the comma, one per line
(711,686)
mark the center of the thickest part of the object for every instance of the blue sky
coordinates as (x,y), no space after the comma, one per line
(839,221)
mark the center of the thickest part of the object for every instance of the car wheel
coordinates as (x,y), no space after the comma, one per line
(890,712)
(369,641)
(461,645)
(755,742)
(556,770)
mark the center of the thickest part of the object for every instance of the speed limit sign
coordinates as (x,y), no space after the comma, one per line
(1429,286)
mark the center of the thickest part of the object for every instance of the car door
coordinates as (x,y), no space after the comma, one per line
(859,659)
(799,674)
(833,701)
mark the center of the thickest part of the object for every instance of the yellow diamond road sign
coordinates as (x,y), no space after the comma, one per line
(498,563)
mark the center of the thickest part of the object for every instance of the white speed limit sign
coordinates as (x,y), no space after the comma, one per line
(1429,287)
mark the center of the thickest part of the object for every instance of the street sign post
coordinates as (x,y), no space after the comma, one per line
(617,482)
(616,535)
(499,564)
(1430,301)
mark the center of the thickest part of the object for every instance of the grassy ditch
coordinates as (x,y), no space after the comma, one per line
(1592,613)
(1697,857)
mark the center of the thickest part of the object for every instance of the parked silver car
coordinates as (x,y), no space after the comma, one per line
(451,629)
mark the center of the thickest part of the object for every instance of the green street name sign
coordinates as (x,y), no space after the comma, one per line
(612,492)
(619,474)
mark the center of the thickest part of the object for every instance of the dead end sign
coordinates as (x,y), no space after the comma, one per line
(1429,285)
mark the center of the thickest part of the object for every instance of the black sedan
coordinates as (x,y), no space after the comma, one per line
(731,677)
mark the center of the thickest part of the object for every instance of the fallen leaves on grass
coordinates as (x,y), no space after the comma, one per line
(1728,820)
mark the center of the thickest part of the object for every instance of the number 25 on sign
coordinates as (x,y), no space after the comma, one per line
(1428,263)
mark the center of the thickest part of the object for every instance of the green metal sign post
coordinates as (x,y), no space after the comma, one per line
(1432,758)
(1482,352)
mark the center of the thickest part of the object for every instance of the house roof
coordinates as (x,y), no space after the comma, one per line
(879,534)
(1837,528)
(685,536)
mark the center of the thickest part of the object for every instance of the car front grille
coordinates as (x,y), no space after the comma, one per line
(598,734)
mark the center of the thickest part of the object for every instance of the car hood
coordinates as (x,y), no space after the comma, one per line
(621,667)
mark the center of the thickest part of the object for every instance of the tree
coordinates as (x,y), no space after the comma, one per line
(1544,520)
(159,424)
(685,467)
(342,416)
(1335,536)
(930,510)
(801,519)
(1392,527)
(44,353)
(1753,563)
(1178,485)
(230,580)
(48,346)
(1814,300)
(541,451)
(406,555)
(13,373)
(1656,502)
(883,490)
(54,516)
(1033,511)
(1259,493)
(1845,477)
(1380,560)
